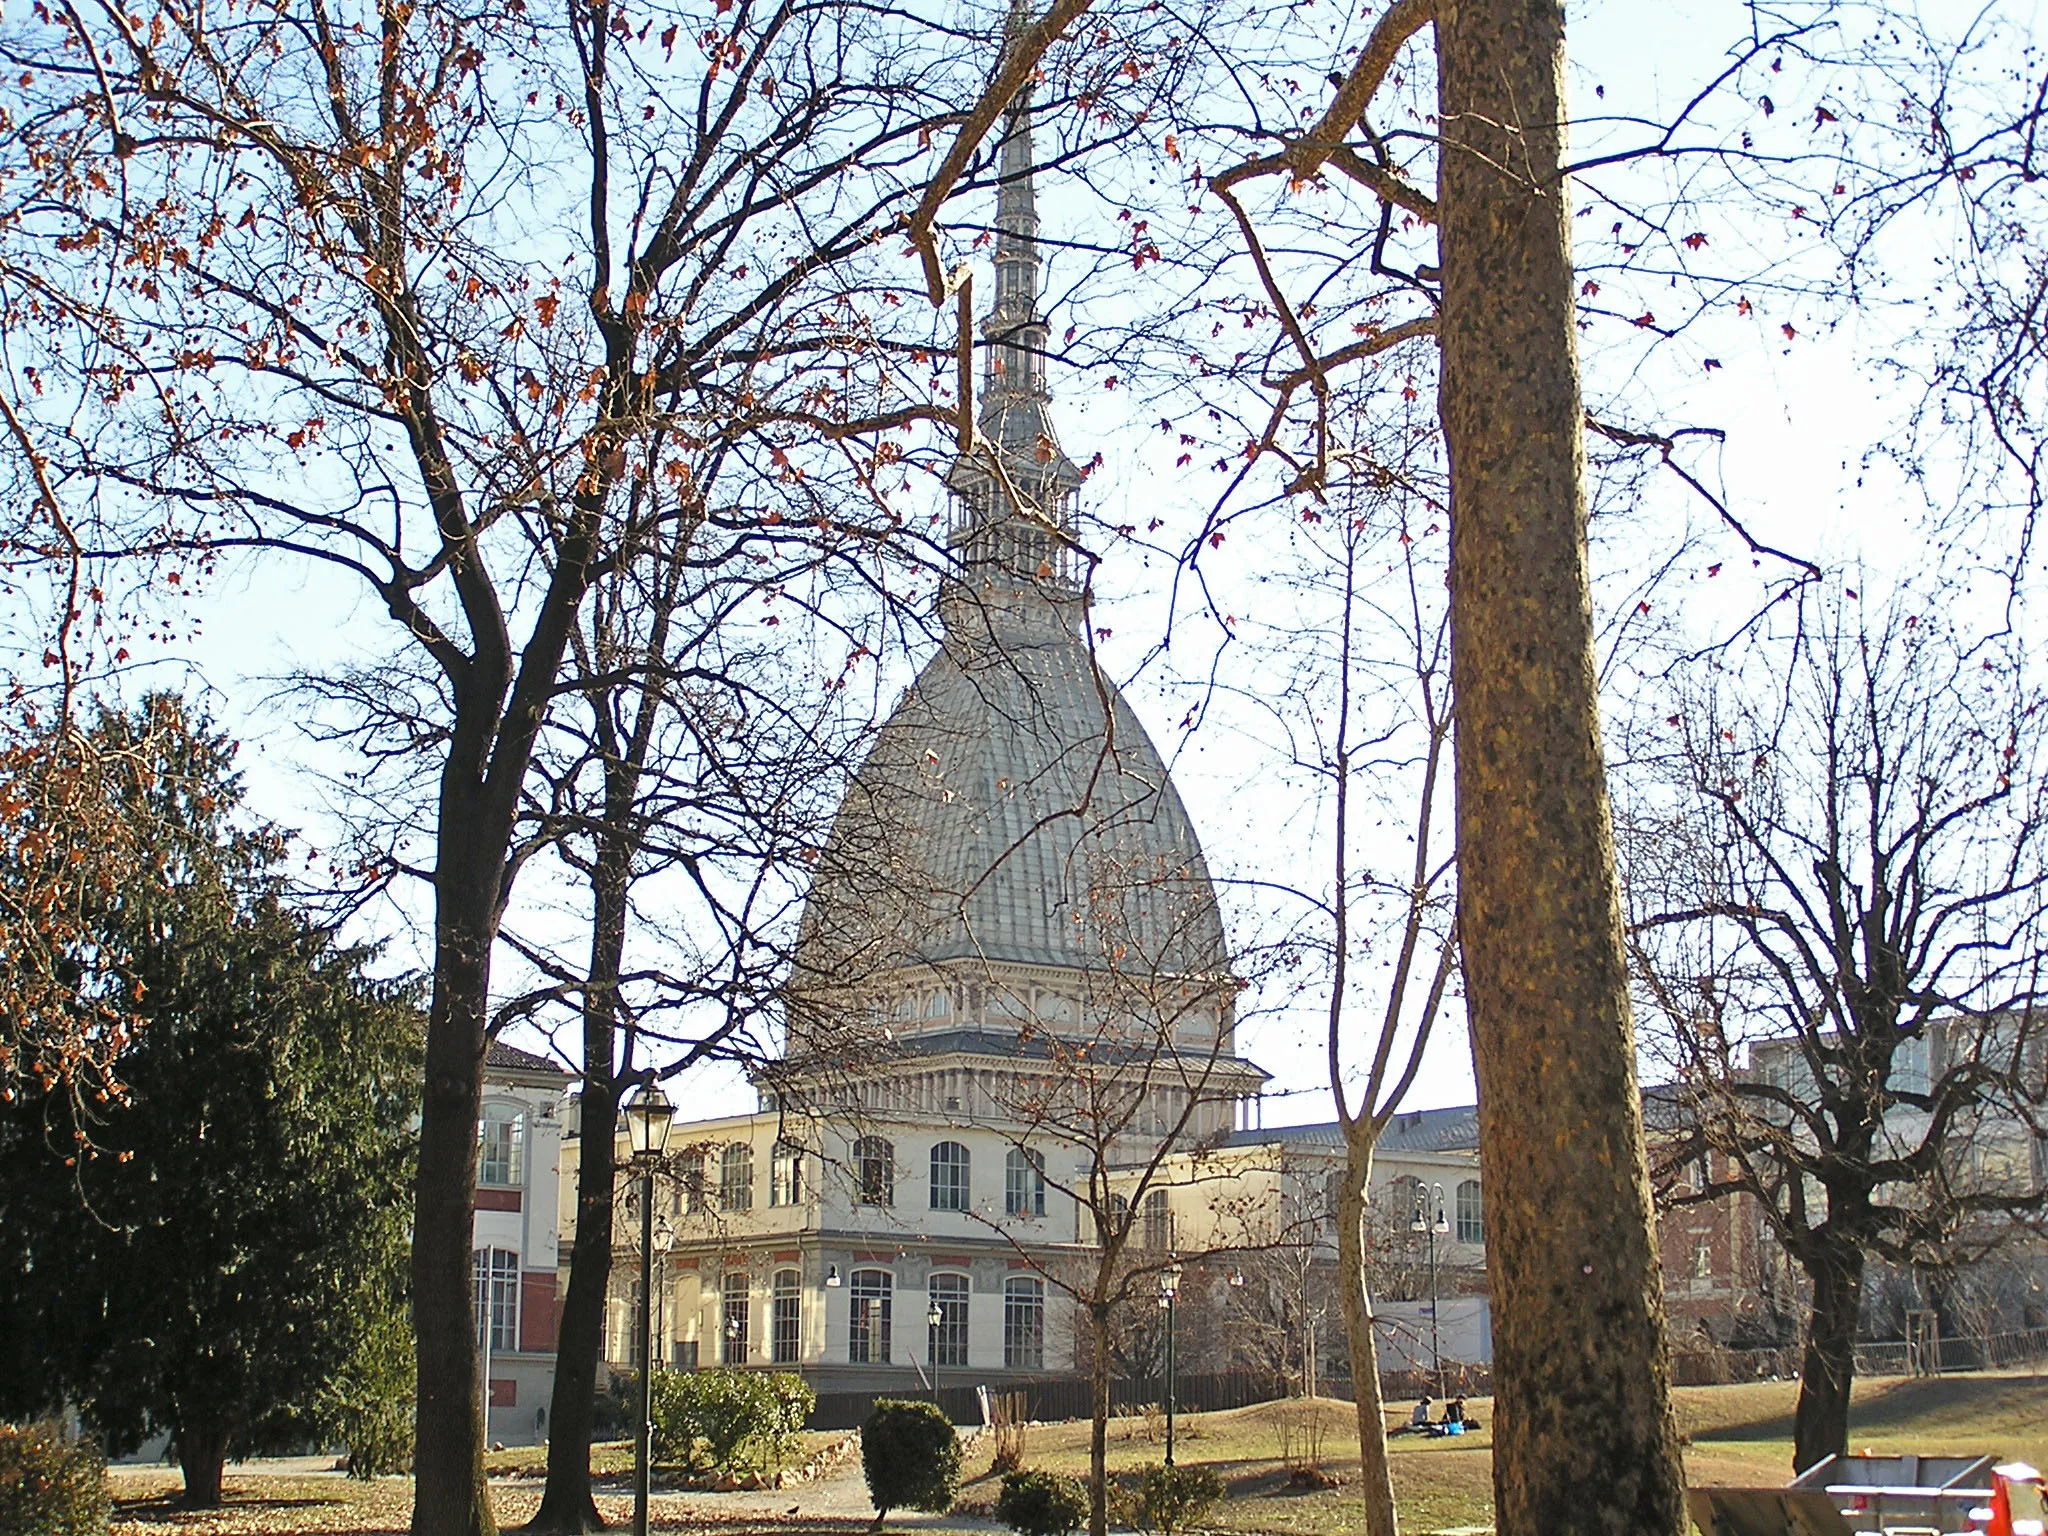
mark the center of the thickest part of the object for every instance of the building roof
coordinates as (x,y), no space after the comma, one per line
(500,1057)
(1012,808)
(1418,1130)
(1038,1045)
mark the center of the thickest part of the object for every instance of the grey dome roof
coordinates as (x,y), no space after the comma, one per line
(1013,810)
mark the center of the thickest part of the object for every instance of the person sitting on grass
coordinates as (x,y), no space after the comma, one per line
(1454,1416)
(1418,1421)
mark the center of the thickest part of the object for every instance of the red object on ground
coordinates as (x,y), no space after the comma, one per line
(2016,1501)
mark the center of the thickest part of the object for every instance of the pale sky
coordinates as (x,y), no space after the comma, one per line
(1800,418)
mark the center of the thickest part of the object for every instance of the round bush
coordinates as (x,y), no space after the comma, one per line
(1042,1503)
(911,1457)
(1171,1499)
(50,1486)
(728,1420)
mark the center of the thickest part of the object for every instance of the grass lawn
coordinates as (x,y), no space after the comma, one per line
(1736,1434)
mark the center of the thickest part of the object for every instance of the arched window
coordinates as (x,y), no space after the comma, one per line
(1158,1234)
(497,1299)
(948,1342)
(786,1175)
(1023,1324)
(733,1320)
(949,1176)
(1400,1199)
(786,1339)
(500,1138)
(874,1171)
(736,1177)
(1023,1182)
(867,1334)
(1471,1224)
(1116,1219)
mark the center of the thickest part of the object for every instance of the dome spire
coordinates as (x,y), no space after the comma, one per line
(1016,363)
(1003,545)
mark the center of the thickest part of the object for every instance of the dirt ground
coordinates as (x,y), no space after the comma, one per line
(1735,1435)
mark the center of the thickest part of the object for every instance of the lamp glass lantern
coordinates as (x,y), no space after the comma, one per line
(648,1118)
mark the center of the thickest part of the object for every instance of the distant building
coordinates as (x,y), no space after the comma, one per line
(519,1139)
(1012,885)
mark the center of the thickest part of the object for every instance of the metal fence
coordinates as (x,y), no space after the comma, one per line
(1053,1398)
(1882,1357)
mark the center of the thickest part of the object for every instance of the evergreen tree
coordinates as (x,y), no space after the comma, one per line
(212,1251)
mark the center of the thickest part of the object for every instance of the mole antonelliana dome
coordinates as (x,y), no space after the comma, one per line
(1013,812)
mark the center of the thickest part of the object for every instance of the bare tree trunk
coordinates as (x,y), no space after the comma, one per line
(449,1494)
(1375,1476)
(567,1507)
(1098,1427)
(1820,1424)
(202,1453)
(1583,1434)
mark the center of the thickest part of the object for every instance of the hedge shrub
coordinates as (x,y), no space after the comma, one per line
(911,1457)
(50,1486)
(1173,1499)
(1042,1503)
(728,1420)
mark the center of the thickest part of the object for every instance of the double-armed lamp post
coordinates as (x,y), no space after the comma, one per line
(1423,1222)
(648,1118)
(1169,1295)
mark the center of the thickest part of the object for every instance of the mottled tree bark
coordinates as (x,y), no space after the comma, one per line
(1583,1434)
(1375,1476)
(1820,1424)
(202,1453)
(1098,1428)
(567,1507)
(449,1493)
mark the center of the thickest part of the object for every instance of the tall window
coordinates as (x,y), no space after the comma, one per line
(499,1137)
(1023,1183)
(696,1196)
(736,1177)
(948,1343)
(867,1337)
(1023,1324)
(786,1339)
(1401,1197)
(1116,1219)
(733,1319)
(874,1171)
(1471,1224)
(949,1177)
(497,1299)
(1158,1222)
(786,1175)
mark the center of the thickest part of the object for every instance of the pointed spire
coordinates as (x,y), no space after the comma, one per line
(1017,363)
(1001,545)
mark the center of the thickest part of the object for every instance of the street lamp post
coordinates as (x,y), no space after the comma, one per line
(1169,1294)
(648,1118)
(1422,1222)
(935,1317)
